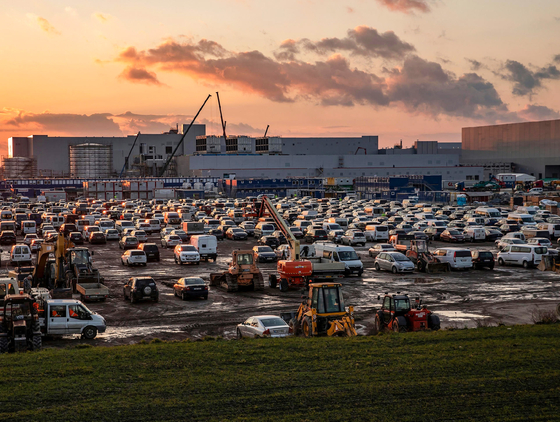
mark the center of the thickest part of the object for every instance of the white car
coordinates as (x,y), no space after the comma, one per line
(186,254)
(134,257)
(29,238)
(263,326)
(140,235)
(112,234)
(171,240)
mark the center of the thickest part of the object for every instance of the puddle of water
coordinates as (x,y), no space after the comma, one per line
(124,332)
(459,316)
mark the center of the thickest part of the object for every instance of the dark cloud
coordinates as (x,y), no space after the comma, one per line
(557,58)
(100,124)
(475,64)
(363,41)
(538,112)
(406,6)
(423,86)
(419,86)
(135,74)
(526,81)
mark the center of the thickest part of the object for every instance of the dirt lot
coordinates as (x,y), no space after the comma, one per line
(505,295)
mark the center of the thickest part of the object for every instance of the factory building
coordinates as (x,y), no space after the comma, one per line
(531,147)
(240,156)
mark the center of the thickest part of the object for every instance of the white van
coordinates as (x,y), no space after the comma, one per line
(376,232)
(553,229)
(206,245)
(526,255)
(474,234)
(515,235)
(336,253)
(28,227)
(479,221)
(487,212)
(81,224)
(457,258)
(523,219)
(20,255)
(55,220)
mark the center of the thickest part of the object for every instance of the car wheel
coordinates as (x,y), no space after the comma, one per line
(394,270)
(89,332)
(525,264)
(501,262)
(376,266)
(239,336)
(378,326)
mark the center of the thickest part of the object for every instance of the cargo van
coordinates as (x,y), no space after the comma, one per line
(345,254)
(206,245)
(522,219)
(457,258)
(488,212)
(530,232)
(6,215)
(553,229)
(474,234)
(28,227)
(20,255)
(525,255)
(377,232)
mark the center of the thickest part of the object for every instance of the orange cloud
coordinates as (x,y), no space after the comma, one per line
(136,74)
(406,6)
(103,18)
(44,25)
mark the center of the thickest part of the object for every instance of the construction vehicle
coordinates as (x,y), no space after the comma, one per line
(61,267)
(397,315)
(423,259)
(401,242)
(8,286)
(549,263)
(20,329)
(322,312)
(295,272)
(242,272)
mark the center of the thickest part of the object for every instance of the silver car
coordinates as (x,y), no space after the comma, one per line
(263,326)
(395,262)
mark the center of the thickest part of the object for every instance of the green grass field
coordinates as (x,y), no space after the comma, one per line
(503,373)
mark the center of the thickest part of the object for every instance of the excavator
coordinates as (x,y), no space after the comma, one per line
(322,312)
(293,272)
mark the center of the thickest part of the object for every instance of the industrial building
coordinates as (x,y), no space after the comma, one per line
(531,147)
(238,157)
(425,188)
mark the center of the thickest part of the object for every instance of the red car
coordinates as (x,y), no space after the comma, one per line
(451,235)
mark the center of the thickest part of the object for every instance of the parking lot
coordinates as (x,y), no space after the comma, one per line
(505,295)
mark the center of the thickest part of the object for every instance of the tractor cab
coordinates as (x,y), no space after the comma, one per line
(395,305)
(79,259)
(20,322)
(419,246)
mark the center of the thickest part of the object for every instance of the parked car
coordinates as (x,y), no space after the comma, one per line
(419,235)
(296,231)
(381,247)
(140,235)
(395,262)
(481,259)
(128,242)
(313,235)
(8,237)
(190,287)
(112,234)
(235,233)
(492,235)
(335,236)
(434,232)
(36,245)
(182,234)
(218,233)
(249,227)
(186,254)
(451,235)
(29,238)
(165,232)
(263,326)
(280,236)
(353,238)
(269,241)
(151,250)
(20,255)
(457,258)
(141,288)
(541,241)
(134,257)
(505,241)
(170,240)
(264,254)
(97,238)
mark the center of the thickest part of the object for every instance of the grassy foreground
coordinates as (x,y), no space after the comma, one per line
(504,373)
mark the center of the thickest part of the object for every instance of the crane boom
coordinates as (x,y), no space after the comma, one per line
(266,205)
(125,165)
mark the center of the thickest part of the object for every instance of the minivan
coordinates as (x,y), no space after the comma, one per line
(526,255)
(20,255)
(457,258)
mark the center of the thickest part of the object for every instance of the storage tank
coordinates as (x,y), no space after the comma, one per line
(19,167)
(198,186)
(208,186)
(92,161)
(187,185)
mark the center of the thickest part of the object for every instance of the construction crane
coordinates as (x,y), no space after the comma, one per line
(125,165)
(266,131)
(163,170)
(221,117)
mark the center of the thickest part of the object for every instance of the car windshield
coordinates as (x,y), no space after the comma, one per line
(194,280)
(541,251)
(265,249)
(348,255)
(400,257)
(188,248)
(273,322)
(402,304)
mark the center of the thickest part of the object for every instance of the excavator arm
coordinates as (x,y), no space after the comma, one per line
(267,206)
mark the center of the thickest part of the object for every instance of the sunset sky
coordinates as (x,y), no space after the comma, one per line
(400,69)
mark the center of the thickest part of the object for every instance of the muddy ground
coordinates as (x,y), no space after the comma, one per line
(507,295)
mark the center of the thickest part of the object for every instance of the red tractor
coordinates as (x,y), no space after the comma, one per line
(396,314)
